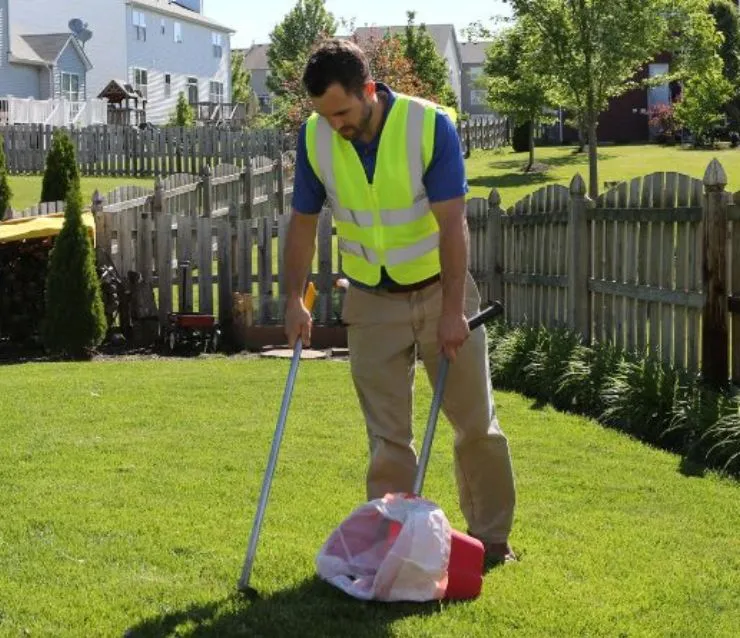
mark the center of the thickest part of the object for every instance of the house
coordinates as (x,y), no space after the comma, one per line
(159,47)
(445,39)
(473,56)
(255,61)
(43,76)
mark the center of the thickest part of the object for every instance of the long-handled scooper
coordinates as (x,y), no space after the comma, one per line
(243,584)
(396,547)
(465,572)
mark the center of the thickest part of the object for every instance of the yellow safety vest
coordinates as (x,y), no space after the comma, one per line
(388,223)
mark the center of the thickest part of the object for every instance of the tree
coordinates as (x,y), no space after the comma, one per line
(725,15)
(703,97)
(428,65)
(290,42)
(517,85)
(595,49)
(6,193)
(388,64)
(183,115)
(74,320)
(241,79)
(61,169)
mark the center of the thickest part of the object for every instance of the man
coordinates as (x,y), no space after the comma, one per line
(392,170)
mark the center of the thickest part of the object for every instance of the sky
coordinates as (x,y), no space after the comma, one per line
(254,20)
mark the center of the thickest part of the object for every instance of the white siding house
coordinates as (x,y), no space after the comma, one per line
(158,46)
(43,77)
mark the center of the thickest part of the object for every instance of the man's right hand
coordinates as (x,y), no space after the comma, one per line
(298,322)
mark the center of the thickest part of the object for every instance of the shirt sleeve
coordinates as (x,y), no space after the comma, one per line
(445,178)
(309,194)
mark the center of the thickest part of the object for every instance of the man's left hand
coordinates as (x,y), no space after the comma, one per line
(452,331)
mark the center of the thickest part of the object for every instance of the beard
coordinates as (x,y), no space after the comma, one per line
(352,132)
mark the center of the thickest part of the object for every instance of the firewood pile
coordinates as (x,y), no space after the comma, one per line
(23,266)
(23,270)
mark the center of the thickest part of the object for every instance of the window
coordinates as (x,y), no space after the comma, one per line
(178,32)
(193,90)
(478,97)
(139,21)
(167,85)
(218,48)
(141,81)
(217,92)
(71,87)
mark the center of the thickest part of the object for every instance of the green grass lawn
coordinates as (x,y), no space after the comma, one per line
(27,188)
(502,169)
(129,489)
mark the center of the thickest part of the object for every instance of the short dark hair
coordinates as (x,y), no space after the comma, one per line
(337,60)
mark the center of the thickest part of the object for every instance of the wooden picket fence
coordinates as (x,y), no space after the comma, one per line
(133,152)
(652,265)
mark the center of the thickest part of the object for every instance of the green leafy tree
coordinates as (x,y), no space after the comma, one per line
(291,40)
(184,114)
(595,49)
(6,193)
(702,100)
(241,79)
(74,321)
(428,65)
(517,85)
(61,170)
(725,15)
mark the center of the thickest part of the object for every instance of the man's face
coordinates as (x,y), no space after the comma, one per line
(347,113)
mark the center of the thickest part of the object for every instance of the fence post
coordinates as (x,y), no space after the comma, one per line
(494,265)
(205,174)
(578,258)
(714,325)
(96,208)
(280,185)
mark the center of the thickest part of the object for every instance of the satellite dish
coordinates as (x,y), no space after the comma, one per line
(80,30)
(84,35)
(76,25)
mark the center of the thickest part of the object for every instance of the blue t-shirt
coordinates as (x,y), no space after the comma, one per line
(444,178)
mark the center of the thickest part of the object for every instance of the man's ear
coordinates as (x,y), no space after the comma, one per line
(369,89)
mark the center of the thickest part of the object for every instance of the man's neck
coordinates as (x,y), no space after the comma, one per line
(376,119)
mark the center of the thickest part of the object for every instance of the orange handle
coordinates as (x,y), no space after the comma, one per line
(310,296)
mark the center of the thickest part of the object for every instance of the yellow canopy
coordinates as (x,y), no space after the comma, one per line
(39,227)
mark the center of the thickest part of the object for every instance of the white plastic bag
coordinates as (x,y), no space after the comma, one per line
(365,559)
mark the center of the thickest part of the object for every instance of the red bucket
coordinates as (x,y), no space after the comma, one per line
(465,571)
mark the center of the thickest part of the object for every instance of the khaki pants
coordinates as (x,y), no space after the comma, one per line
(384,332)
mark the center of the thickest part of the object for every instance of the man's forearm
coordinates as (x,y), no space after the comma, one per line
(453,254)
(300,244)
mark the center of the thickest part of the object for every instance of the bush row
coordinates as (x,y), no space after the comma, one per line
(653,402)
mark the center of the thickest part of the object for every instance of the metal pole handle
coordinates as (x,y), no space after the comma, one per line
(474,322)
(243,584)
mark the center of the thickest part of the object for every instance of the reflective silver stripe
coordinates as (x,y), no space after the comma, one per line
(362,218)
(414,135)
(400,216)
(358,250)
(325,157)
(419,249)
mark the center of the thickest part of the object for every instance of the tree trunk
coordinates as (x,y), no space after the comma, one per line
(593,168)
(531,146)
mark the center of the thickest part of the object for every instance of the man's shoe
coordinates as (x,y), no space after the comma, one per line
(496,553)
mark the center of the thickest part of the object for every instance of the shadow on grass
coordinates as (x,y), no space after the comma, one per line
(555,162)
(313,608)
(510,180)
